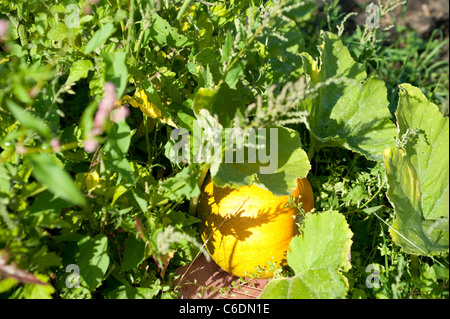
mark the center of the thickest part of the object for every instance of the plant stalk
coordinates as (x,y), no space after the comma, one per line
(194,201)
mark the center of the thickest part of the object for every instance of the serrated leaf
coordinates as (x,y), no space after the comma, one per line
(183,185)
(418,175)
(58,181)
(93,260)
(79,70)
(286,161)
(318,257)
(39,291)
(312,284)
(349,110)
(325,242)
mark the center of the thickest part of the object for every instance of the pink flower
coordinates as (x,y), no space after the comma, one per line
(4,26)
(105,106)
(54,143)
(120,114)
(110,95)
(90,145)
(99,119)
(20,149)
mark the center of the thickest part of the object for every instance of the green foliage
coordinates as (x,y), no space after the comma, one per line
(317,257)
(342,113)
(418,178)
(92,204)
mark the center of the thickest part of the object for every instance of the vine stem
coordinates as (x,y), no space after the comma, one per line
(147,139)
(28,150)
(183,9)
(312,147)
(194,201)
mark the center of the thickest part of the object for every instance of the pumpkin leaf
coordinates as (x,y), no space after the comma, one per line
(348,110)
(418,175)
(318,257)
(275,168)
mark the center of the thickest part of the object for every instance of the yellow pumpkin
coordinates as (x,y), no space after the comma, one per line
(248,229)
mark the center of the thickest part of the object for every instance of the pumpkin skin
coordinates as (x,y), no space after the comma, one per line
(249,227)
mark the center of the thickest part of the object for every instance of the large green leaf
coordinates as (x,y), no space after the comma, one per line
(93,260)
(116,70)
(348,110)
(270,157)
(418,175)
(318,257)
(285,162)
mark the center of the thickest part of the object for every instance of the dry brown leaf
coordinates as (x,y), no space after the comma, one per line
(164,262)
(206,280)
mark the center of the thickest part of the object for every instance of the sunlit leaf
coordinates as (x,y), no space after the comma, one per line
(349,110)
(318,257)
(418,175)
(79,70)
(93,260)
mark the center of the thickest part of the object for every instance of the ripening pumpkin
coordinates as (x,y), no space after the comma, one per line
(249,228)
